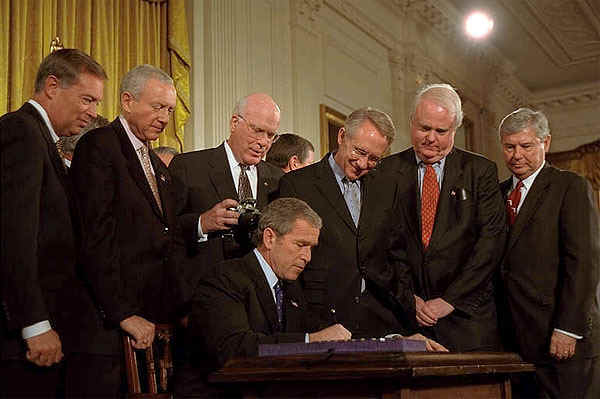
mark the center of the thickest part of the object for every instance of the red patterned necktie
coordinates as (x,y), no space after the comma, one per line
(512,203)
(429,199)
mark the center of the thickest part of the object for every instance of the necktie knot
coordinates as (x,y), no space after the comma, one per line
(513,201)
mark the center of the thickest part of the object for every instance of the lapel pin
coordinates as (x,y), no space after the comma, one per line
(294,304)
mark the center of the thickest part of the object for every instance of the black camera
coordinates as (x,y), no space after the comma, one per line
(249,215)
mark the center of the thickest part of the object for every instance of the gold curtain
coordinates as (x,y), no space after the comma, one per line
(119,34)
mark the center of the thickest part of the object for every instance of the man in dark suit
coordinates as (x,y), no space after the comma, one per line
(38,238)
(129,251)
(242,303)
(213,181)
(551,265)
(353,277)
(453,223)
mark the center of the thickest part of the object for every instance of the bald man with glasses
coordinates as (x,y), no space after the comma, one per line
(214,181)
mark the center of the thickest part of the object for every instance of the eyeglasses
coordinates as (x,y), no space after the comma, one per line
(271,136)
(159,108)
(359,153)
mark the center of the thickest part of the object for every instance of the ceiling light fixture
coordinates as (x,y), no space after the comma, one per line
(478,25)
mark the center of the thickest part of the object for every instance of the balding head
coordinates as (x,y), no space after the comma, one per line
(253,127)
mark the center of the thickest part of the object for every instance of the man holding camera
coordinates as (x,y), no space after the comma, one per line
(215,181)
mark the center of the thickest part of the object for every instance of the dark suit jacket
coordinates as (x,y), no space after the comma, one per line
(346,254)
(465,248)
(129,249)
(552,265)
(204,179)
(233,312)
(38,279)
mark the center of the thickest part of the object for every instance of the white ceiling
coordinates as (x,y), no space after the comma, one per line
(553,44)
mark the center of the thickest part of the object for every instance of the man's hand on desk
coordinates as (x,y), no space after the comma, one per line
(44,349)
(140,329)
(218,217)
(336,332)
(430,344)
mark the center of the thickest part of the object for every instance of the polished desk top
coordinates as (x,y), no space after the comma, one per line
(353,366)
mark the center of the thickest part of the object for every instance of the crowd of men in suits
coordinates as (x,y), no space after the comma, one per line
(425,243)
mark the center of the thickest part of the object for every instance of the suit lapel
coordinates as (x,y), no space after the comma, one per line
(446,214)
(163,181)
(532,202)
(326,183)
(220,174)
(57,162)
(409,197)
(264,185)
(134,166)
(263,291)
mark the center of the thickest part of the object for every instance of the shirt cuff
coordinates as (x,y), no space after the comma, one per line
(36,329)
(306,338)
(201,236)
(568,334)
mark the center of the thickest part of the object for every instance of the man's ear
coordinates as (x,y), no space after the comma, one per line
(547,141)
(341,135)
(269,237)
(294,162)
(126,99)
(51,86)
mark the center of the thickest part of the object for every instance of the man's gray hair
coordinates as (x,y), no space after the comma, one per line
(135,80)
(66,64)
(382,121)
(443,95)
(523,118)
(281,215)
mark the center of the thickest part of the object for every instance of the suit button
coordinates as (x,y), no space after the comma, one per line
(356,299)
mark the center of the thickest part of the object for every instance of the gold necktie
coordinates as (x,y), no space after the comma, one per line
(145,156)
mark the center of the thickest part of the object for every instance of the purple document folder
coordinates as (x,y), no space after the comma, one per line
(355,345)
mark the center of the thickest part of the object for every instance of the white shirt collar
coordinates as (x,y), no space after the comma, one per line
(528,182)
(137,143)
(45,117)
(233,162)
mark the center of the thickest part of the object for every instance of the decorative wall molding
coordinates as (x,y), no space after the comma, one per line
(362,21)
(305,13)
(581,95)
(567,30)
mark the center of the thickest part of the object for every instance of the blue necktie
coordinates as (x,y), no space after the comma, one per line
(352,198)
(279,302)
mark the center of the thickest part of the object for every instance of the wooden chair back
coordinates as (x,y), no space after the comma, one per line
(149,370)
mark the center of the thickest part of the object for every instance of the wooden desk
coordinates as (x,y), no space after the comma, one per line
(375,375)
